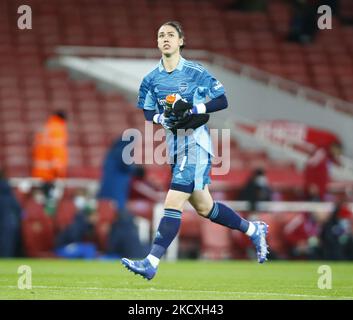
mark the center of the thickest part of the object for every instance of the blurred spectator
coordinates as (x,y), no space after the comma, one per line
(10,220)
(38,196)
(116,182)
(301,235)
(256,189)
(76,240)
(50,157)
(248,5)
(316,172)
(124,239)
(117,174)
(336,236)
(303,24)
(83,201)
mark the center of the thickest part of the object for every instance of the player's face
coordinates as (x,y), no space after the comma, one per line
(168,40)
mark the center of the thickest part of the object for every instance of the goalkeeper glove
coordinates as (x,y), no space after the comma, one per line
(160,118)
(181,105)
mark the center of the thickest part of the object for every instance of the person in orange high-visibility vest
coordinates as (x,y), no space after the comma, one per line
(50,156)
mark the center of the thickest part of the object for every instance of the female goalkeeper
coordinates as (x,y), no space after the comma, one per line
(190,152)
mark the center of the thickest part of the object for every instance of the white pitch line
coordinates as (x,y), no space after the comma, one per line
(187,291)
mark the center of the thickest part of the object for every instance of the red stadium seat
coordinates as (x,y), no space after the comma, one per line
(141,208)
(240,245)
(190,225)
(65,213)
(215,241)
(37,231)
(107,214)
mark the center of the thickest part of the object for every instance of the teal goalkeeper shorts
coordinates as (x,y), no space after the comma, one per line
(191,171)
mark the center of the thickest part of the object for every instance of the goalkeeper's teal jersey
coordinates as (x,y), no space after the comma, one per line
(194,83)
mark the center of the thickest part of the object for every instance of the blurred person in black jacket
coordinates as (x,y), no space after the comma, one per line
(256,189)
(76,240)
(336,235)
(303,25)
(10,220)
(248,5)
(117,175)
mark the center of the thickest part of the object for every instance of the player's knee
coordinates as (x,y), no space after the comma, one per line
(204,209)
(173,204)
(176,200)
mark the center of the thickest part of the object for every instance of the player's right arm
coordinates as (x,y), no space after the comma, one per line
(148,102)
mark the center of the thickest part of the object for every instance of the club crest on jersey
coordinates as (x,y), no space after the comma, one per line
(183,86)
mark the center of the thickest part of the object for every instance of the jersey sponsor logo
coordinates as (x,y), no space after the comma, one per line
(218,85)
(183,86)
(161,102)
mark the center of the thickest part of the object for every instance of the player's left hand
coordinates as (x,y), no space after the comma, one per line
(181,106)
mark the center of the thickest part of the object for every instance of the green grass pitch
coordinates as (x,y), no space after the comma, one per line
(194,280)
